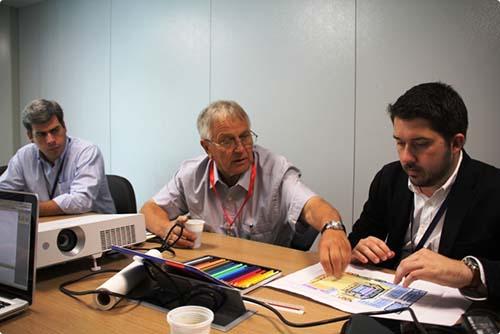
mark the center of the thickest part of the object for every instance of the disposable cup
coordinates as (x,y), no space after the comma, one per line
(190,320)
(195,226)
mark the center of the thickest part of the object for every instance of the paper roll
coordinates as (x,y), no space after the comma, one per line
(122,282)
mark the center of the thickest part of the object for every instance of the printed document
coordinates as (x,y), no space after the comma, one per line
(363,290)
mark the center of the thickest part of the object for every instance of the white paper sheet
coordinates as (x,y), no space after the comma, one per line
(432,303)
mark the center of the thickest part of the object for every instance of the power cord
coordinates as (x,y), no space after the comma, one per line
(163,278)
(203,295)
(336,319)
(165,243)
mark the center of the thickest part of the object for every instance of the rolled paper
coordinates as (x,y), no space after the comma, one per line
(122,282)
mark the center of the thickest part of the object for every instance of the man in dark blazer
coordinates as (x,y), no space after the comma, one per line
(435,214)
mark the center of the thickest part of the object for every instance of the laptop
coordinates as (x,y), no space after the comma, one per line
(18,232)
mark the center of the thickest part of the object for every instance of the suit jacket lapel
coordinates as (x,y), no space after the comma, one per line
(460,199)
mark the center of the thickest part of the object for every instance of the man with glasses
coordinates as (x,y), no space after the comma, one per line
(67,173)
(243,190)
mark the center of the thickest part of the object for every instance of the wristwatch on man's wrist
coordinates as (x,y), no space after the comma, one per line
(472,264)
(333,225)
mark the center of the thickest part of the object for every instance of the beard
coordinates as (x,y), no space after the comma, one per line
(421,177)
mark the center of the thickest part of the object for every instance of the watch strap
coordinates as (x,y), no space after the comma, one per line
(333,225)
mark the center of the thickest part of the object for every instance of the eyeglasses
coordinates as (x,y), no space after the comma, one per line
(230,143)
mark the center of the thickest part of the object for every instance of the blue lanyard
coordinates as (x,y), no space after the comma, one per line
(51,194)
(431,227)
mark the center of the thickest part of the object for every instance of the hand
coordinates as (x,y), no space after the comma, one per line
(372,250)
(334,252)
(187,238)
(433,267)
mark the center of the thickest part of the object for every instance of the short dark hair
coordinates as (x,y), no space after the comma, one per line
(40,111)
(436,102)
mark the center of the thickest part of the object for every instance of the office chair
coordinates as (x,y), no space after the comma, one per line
(2,169)
(304,236)
(122,193)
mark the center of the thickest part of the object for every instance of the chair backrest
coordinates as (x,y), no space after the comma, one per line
(304,236)
(2,169)
(122,193)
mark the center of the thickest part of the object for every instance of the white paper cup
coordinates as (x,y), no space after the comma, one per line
(195,226)
(190,320)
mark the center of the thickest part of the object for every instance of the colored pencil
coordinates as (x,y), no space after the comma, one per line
(238,273)
(207,265)
(252,273)
(228,270)
(254,280)
(197,261)
(220,267)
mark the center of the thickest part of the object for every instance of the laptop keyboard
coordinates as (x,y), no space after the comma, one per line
(3,304)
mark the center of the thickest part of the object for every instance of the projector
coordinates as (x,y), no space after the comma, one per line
(86,235)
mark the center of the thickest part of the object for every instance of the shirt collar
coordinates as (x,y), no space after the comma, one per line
(446,186)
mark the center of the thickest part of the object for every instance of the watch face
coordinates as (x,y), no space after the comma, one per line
(333,225)
(472,264)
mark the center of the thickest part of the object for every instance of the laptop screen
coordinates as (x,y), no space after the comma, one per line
(18,219)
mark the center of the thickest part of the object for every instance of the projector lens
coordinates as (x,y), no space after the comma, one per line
(66,240)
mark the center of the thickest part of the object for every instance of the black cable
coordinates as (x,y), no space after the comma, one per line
(181,296)
(165,244)
(152,274)
(337,319)
(150,264)
(73,293)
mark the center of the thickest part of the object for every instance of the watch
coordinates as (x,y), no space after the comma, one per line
(472,264)
(333,225)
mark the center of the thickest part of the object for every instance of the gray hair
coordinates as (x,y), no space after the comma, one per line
(40,111)
(217,110)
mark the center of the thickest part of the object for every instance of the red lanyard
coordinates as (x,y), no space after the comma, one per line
(228,219)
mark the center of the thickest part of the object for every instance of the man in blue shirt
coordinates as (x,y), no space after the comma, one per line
(66,173)
(244,190)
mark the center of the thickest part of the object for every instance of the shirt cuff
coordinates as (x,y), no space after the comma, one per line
(480,292)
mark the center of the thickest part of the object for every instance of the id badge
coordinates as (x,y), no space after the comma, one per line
(228,229)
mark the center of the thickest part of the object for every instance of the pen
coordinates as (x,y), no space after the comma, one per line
(292,308)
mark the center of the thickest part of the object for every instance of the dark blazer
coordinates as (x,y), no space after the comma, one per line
(471,225)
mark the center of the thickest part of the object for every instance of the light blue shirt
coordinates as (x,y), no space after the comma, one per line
(269,215)
(82,184)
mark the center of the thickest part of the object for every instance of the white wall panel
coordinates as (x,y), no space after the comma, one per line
(159,83)
(30,40)
(8,89)
(404,43)
(65,48)
(290,64)
(315,76)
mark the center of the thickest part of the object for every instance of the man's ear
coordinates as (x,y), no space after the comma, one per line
(205,144)
(30,135)
(458,142)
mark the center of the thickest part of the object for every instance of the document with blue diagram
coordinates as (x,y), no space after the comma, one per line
(363,289)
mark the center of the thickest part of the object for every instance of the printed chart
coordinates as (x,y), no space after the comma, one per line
(364,290)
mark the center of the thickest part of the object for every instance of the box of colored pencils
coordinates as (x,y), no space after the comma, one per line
(241,275)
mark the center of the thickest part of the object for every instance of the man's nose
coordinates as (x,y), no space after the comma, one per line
(50,138)
(406,155)
(239,145)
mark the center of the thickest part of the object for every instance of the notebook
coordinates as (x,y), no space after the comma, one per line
(18,231)
(213,269)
